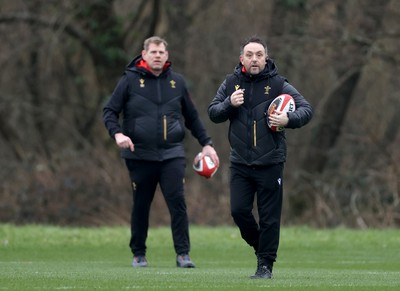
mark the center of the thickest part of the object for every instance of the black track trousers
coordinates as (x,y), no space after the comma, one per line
(145,175)
(266,182)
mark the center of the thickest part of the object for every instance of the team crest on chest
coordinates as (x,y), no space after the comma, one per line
(237,87)
(173,83)
(141,81)
(267,90)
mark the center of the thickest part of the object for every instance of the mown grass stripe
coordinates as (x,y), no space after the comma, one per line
(36,257)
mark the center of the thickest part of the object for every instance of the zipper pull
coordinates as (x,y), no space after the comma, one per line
(165,127)
(254,133)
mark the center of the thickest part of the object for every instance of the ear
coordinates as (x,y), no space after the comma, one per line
(241,59)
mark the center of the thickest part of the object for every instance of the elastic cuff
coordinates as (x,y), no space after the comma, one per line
(210,143)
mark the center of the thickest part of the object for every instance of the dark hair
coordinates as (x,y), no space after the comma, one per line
(255,39)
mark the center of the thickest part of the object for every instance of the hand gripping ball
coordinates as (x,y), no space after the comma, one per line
(205,166)
(282,103)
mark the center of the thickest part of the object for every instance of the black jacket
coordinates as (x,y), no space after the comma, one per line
(252,141)
(156,110)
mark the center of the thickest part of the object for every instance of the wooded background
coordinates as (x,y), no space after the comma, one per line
(60,61)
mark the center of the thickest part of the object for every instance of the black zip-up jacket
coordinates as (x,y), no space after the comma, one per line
(155,110)
(252,141)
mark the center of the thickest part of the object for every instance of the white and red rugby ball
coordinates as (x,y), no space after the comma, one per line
(282,103)
(205,166)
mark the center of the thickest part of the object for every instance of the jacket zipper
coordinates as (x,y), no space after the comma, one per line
(254,133)
(165,127)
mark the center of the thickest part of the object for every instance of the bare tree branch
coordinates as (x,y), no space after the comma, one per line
(68,28)
(136,18)
(155,18)
(333,109)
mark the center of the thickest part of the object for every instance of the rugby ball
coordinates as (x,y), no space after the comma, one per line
(282,103)
(204,166)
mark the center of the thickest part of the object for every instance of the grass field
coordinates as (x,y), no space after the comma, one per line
(54,258)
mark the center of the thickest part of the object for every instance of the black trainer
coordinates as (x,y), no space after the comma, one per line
(184,261)
(264,271)
(139,261)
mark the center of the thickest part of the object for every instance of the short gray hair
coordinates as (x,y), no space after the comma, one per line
(156,40)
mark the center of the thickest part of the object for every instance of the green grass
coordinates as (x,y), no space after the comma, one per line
(53,258)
